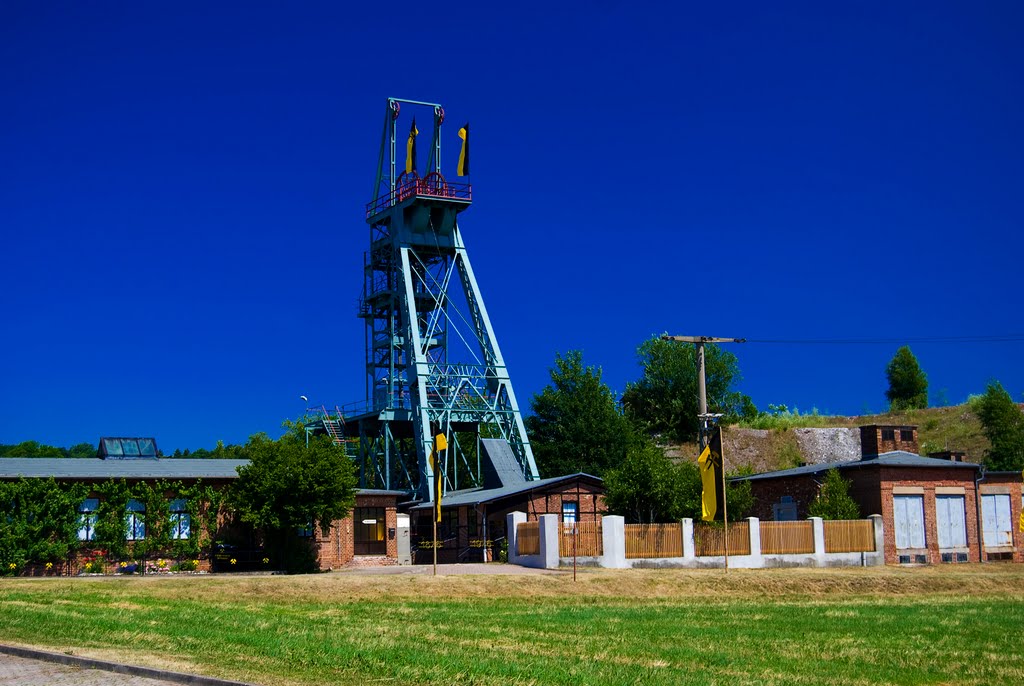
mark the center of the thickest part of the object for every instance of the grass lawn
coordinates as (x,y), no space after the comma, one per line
(958,624)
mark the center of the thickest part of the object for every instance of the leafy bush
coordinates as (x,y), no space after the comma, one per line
(1003,424)
(834,501)
(185,566)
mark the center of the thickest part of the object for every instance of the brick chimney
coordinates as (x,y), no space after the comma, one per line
(951,455)
(877,439)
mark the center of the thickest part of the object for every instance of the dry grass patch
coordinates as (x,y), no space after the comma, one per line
(842,626)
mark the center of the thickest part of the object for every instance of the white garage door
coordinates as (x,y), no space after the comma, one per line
(995,517)
(908,512)
(949,517)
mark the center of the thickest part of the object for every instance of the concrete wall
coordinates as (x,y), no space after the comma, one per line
(614,541)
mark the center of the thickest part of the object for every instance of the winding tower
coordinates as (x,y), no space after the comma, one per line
(433,364)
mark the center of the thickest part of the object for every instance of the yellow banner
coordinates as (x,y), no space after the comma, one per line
(709,481)
(463,169)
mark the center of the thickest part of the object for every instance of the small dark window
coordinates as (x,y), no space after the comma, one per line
(961,557)
(471,523)
(904,559)
(449,525)
(907,435)
(947,557)
(921,559)
(370,525)
(888,434)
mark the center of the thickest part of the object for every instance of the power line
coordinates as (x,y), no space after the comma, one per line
(1005,338)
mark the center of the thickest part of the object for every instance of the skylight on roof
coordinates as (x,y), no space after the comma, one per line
(128,448)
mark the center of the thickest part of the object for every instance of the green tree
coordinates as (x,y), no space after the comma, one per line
(80,450)
(31,449)
(740,496)
(648,487)
(664,400)
(908,385)
(1003,424)
(38,522)
(576,425)
(289,486)
(834,501)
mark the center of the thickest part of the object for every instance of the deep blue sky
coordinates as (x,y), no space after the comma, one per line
(182,191)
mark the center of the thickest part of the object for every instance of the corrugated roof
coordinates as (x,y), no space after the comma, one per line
(898,458)
(169,468)
(93,468)
(476,496)
(500,465)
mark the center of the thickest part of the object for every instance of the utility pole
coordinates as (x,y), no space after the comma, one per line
(702,393)
(705,418)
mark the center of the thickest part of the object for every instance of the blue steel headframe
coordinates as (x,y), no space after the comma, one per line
(433,362)
(386,160)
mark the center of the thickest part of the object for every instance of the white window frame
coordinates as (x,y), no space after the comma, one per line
(570,512)
(135,520)
(180,520)
(87,519)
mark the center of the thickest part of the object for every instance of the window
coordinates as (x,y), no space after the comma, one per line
(471,524)
(305,531)
(370,524)
(570,511)
(907,435)
(136,521)
(995,520)
(888,434)
(448,528)
(181,521)
(949,519)
(87,519)
(908,516)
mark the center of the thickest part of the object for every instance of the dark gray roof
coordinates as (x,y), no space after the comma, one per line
(476,496)
(379,491)
(90,468)
(898,458)
(500,465)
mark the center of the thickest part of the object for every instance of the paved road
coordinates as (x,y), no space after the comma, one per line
(19,671)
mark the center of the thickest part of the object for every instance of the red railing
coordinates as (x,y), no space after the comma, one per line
(432,186)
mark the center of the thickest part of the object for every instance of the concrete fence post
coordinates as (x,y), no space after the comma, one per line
(819,539)
(876,521)
(689,549)
(549,558)
(512,522)
(755,538)
(613,534)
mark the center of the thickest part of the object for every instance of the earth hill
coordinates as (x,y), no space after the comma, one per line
(790,440)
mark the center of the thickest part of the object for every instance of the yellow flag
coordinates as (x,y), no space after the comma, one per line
(440,443)
(709,481)
(1020,524)
(410,148)
(464,155)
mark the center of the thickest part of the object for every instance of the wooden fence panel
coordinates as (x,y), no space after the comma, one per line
(654,540)
(787,538)
(849,536)
(710,540)
(528,538)
(589,539)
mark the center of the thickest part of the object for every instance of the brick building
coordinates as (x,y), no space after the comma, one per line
(367,536)
(931,507)
(472,527)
